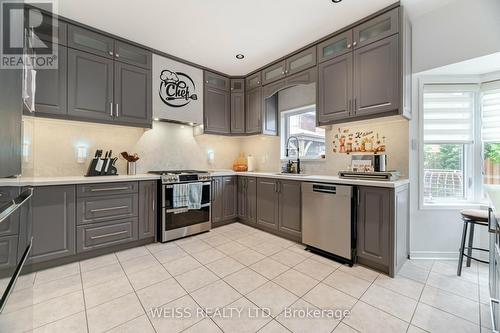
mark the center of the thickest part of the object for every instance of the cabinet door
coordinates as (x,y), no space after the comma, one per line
(237,86)
(335,46)
(290,208)
(253,111)
(237,113)
(376,77)
(132,95)
(242,198)
(267,203)
(374,218)
(304,77)
(217,202)
(217,111)
(51,87)
(8,251)
(147,209)
(251,199)
(11,225)
(335,89)
(300,61)
(54,32)
(132,55)
(95,236)
(90,41)
(377,28)
(230,198)
(254,81)
(216,81)
(90,86)
(273,72)
(54,224)
(270,121)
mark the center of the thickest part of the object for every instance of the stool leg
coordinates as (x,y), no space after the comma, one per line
(471,241)
(462,245)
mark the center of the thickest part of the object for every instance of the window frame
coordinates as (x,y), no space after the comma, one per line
(284,132)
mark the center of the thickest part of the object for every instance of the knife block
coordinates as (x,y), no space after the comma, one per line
(98,165)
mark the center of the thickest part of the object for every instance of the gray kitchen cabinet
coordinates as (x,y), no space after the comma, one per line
(53,31)
(270,115)
(253,81)
(90,86)
(11,225)
(237,113)
(90,41)
(132,95)
(383,227)
(8,251)
(290,211)
(53,222)
(335,78)
(216,81)
(247,199)
(301,61)
(99,235)
(51,88)
(217,109)
(267,203)
(253,111)
(237,86)
(335,46)
(217,201)
(92,190)
(105,208)
(229,198)
(147,208)
(274,72)
(305,77)
(377,77)
(133,55)
(377,28)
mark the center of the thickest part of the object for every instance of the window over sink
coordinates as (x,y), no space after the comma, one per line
(301,123)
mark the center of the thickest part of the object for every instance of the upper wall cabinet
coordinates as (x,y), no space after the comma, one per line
(90,41)
(238,106)
(217,104)
(132,55)
(377,28)
(54,32)
(335,46)
(254,81)
(216,81)
(294,64)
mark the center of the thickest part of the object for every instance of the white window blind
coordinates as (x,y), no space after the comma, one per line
(448,113)
(490,106)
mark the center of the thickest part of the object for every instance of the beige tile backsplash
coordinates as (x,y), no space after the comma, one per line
(51,147)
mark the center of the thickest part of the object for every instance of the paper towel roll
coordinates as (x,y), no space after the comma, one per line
(250,163)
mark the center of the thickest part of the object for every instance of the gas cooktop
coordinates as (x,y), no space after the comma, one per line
(177,172)
(182,176)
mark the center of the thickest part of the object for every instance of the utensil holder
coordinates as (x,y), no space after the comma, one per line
(131,168)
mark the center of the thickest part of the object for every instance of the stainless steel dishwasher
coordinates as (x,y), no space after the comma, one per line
(327,220)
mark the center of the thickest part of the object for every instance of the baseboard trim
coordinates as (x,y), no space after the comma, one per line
(434,255)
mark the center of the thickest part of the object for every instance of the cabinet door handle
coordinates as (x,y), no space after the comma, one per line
(117,55)
(109,189)
(109,235)
(154,206)
(117,113)
(110,53)
(354,43)
(355,104)
(111,109)
(348,46)
(97,210)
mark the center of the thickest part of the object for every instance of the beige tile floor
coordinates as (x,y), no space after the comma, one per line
(238,267)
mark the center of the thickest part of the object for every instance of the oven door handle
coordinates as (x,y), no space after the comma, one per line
(16,203)
(203,183)
(184,209)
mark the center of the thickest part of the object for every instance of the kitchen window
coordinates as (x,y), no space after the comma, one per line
(301,123)
(459,123)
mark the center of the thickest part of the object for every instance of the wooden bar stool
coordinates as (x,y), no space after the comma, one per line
(471,217)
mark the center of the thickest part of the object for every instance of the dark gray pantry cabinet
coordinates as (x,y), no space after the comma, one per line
(70,220)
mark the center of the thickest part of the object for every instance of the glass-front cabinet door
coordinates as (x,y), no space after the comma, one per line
(132,55)
(380,27)
(300,61)
(216,81)
(335,46)
(89,41)
(254,81)
(273,72)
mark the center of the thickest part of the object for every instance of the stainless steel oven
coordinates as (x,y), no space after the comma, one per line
(178,222)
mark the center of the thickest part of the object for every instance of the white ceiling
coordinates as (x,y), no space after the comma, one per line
(211,32)
(481,65)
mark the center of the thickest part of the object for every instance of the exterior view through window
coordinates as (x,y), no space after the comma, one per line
(301,123)
(490,105)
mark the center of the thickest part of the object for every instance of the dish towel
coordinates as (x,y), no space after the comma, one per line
(195,194)
(181,195)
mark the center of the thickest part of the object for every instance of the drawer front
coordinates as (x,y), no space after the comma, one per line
(92,190)
(95,236)
(91,210)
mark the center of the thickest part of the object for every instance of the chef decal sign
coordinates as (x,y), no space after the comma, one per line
(176,89)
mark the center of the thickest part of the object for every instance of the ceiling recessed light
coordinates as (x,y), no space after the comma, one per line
(240,56)
(336,1)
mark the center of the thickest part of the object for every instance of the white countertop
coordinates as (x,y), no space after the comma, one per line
(314,178)
(493,192)
(46,181)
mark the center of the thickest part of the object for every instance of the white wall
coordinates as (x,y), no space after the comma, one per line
(459,31)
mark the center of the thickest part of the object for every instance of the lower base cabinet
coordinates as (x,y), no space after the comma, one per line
(247,200)
(98,235)
(224,200)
